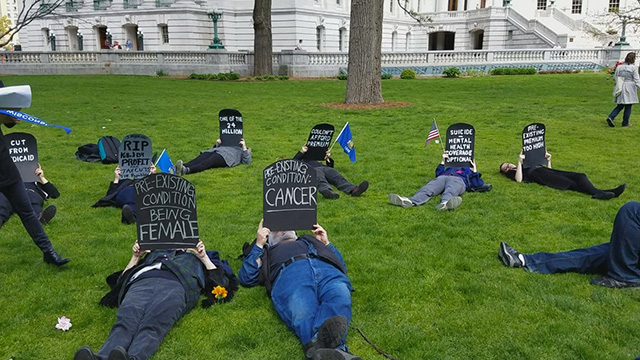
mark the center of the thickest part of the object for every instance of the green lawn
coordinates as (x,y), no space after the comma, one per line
(428,284)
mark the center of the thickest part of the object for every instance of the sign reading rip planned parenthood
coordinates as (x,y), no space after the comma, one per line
(319,141)
(533,145)
(166,212)
(290,196)
(460,146)
(23,149)
(134,157)
(231,128)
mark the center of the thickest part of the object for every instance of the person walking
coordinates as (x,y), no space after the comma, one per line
(627,72)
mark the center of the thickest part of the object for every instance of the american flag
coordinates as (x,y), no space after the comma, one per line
(433,133)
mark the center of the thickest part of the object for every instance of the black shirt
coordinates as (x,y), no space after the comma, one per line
(8,171)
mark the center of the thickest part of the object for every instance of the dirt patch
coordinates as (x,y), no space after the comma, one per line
(384,105)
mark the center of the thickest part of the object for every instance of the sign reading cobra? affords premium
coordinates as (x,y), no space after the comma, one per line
(290,196)
(23,149)
(166,212)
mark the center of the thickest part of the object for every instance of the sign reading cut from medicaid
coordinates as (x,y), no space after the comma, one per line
(23,149)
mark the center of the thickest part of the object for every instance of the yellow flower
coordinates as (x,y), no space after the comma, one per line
(219,292)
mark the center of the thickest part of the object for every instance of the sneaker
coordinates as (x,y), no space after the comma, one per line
(329,336)
(118,353)
(47,214)
(358,190)
(128,217)
(454,202)
(603,195)
(329,194)
(509,256)
(628,125)
(85,353)
(400,201)
(610,122)
(613,283)
(179,168)
(333,354)
(442,206)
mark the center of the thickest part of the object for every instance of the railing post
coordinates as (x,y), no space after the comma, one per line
(292,61)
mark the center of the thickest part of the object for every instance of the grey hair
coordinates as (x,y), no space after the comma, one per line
(279,236)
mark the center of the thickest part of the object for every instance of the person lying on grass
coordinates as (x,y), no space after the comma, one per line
(216,157)
(557,179)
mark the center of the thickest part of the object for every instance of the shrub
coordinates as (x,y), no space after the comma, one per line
(408,74)
(386,76)
(283,77)
(513,71)
(475,73)
(452,72)
(560,72)
(342,77)
(161,73)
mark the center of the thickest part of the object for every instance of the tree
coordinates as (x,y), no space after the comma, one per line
(5,24)
(262,42)
(365,52)
(29,11)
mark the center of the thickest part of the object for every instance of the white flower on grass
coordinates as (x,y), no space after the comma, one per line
(63,324)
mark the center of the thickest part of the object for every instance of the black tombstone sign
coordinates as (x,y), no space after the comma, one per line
(319,141)
(166,212)
(461,139)
(231,127)
(134,156)
(290,196)
(533,145)
(23,149)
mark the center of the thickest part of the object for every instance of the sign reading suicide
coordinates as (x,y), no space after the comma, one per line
(166,216)
(231,127)
(23,149)
(460,145)
(290,196)
(533,145)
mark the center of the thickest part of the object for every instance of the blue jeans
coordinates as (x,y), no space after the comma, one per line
(307,293)
(126,196)
(149,310)
(625,116)
(617,259)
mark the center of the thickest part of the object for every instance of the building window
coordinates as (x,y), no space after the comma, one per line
(341,39)
(45,34)
(338,2)
(453,5)
(510,35)
(394,40)
(542,4)
(614,5)
(320,38)
(483,4)
(576,7)
(407,44)
(164,33)
(391,5)
(419,3)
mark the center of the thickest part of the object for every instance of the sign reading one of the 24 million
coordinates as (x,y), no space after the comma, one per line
(231,127)
(460,145)
(166,206)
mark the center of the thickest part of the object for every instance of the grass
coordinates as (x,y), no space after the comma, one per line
(428,284)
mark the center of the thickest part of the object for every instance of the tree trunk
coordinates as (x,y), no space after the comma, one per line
(365,53)
(262,43)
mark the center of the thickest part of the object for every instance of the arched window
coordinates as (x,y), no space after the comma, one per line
(407,44)
(320,38)
(394,40)
(342,39)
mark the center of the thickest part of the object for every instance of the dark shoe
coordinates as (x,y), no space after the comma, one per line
(329,336)
(610,122)
(482,188)
(127,215)
(52,257)
(329,194)
(603,195)
(358,190)
(628,125)
(613,283)
(47,214)
(179,168)
(333,354)
(85,353)
(619,190)
(509,256)
(118,353)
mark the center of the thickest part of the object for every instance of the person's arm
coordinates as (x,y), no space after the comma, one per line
(135,256)
(328,159)
(9,121)
(117,173)
(45,185)
(251,265)
(473,166)
(245,157)
(440,167)
(548,157)
(300,155)
(201,253)
(321,235)
(518,176)
(218,142)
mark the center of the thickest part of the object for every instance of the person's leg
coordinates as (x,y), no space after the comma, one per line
(626,115)
(615,112)
(334,294)
(324,187)
(5,209)
(334,177)
(625,244)
(592,260)
(431,189)
(454,186)
(204,161)
(127,201)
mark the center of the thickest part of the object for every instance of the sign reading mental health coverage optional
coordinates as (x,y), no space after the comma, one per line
(231,127)
(166,212)
(134,156)
(460,145)
(23,149)
(533,145)
(290,196)
(319,141)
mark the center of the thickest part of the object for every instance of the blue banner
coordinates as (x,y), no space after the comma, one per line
(346,142)
(32,119)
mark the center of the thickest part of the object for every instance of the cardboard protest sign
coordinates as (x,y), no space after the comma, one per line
(23,149)
(319,141)
(461,139)
(290,196)
(166,212)
(533,145)
(231,127)
(134,156)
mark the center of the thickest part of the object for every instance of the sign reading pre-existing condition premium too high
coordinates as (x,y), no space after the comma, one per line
(231,127)
(533,145)
(23,149)
(460,145)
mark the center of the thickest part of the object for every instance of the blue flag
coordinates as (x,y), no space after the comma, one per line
(345,139)
(32,119)
(164,163)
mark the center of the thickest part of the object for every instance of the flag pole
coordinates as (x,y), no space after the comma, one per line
(336,140)
(439,137)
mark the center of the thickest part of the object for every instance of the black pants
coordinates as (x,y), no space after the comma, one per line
(17,196)
(568,180)
(6,210)
(204,161)
(328,175)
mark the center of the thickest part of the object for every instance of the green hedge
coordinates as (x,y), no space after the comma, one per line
(514,71)
(220,76)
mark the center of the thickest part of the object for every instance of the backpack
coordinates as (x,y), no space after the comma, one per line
(108,147)
(88,152)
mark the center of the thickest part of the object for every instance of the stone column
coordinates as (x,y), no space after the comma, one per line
(442,5)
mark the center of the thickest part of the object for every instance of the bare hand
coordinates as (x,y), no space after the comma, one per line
(521,157)
(152,169)
(218,142)
(117,173)
(39,173)
(137,252)
(200,250)
(262,234)
(304,149)
(547,156)
(445,156)
(243,144)
(320,234)
(327,154)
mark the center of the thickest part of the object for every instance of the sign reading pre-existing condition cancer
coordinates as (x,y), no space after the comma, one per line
(166,212)
(319,141)
(290,196)
(460,145)
(23,149)
(231,127)
(134,157)
(533,145)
